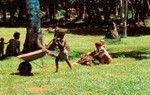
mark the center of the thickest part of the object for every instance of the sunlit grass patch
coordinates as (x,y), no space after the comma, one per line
(128,74)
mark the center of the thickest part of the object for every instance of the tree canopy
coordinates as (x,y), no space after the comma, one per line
(89,12)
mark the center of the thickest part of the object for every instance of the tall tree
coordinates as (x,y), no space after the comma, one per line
(22,12)
(33,36)
(3,9)
(124,16)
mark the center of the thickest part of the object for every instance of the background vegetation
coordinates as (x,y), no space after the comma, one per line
(93,12)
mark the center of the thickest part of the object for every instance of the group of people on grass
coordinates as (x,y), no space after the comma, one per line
(58,43)
(13,47)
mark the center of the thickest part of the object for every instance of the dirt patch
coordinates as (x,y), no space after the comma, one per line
(38,90)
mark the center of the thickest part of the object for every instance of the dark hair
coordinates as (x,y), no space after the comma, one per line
(2,39)
(16,35)
(60,34)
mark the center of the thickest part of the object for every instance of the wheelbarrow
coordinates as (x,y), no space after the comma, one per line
(25,66)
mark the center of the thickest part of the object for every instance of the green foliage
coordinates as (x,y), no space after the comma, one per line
(147,21)
(60,14)
(74,54)
(127,75)
(113,41)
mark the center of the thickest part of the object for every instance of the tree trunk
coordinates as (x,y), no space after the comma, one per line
(148,3)
(124,16)
(4,16)
(22,11)
(4,11)
(33,39)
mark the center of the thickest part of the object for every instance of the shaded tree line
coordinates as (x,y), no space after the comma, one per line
(89,12)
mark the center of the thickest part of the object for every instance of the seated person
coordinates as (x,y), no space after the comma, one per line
(101,54)
(13,48)
(86,59)
(2,47)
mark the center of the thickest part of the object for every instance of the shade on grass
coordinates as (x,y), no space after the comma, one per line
(127,75)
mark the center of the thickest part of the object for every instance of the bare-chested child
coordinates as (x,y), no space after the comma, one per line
(52,44)
(59,43)
(101,54)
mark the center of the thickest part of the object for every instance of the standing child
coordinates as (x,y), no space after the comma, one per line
(63,54)
(13,48)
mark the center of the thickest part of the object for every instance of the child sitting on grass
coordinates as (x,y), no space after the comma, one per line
(13,48)
(101,54)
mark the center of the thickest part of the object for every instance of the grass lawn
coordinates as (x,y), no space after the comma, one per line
(128,74)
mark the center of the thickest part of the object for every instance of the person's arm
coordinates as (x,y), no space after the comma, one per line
(18,47)
(62,43)
(100,52)
(6,42)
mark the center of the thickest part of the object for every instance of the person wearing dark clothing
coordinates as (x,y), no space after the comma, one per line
(2,43)
(13,48)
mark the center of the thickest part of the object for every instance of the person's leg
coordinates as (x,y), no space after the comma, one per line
(2,52)
(56,62)
(67,61)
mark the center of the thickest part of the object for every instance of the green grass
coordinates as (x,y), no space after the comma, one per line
(147,21)
(129,73)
